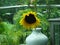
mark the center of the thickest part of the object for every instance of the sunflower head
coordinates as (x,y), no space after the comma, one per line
(29,20)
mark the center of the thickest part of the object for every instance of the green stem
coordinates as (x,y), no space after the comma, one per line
(48,8)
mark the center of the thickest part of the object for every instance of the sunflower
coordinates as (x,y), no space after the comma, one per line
(29,20)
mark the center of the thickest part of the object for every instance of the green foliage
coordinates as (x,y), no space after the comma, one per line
(10,35)
(13,37)
(44,22)
(3,40)
(1,28)
(55,13)
(9,2)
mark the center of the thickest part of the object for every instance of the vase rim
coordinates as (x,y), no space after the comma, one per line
(37,28)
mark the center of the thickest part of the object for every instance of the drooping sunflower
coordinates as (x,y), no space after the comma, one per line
(29,20)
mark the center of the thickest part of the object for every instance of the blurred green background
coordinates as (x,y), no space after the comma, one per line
(11,33)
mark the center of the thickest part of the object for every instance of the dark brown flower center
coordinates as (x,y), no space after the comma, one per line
(30,19)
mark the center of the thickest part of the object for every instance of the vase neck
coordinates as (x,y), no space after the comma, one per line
(37,30)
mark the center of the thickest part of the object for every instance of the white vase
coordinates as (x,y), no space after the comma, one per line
(36,38)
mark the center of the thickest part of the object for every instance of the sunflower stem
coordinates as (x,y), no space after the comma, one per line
(33,2)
